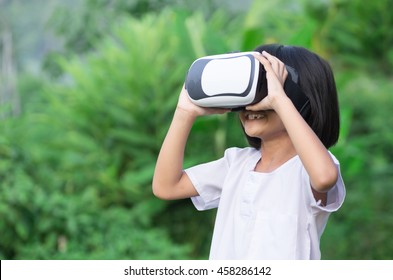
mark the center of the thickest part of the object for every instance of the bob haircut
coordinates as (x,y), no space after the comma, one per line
(317,82)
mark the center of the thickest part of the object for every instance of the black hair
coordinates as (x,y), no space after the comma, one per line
(317,82)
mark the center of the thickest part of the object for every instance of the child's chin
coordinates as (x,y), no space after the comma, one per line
(252,133)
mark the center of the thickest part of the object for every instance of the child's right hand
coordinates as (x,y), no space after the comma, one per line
(169,180)
(186,105)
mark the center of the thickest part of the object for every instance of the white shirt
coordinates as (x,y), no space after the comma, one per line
(262,215)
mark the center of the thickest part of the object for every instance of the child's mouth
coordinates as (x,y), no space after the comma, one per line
(249,115)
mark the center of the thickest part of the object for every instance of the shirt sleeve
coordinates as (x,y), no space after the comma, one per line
(208,179)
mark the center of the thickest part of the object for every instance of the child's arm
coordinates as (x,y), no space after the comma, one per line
(169,181)
(315,157)
(313,154)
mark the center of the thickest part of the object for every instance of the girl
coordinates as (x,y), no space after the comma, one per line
(274,198)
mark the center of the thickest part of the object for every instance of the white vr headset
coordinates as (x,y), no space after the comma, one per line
(236,80)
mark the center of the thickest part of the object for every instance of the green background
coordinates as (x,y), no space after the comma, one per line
(87,92)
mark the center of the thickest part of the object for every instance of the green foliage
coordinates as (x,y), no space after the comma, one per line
(76,166)
(358,32)
(92,20)
(76,174)
(361,229)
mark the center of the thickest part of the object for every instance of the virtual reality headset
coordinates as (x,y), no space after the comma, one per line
(236,80)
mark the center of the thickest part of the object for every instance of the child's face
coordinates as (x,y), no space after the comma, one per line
(265,125)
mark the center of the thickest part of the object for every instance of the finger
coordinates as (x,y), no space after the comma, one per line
(269,56)
(275,62)
(277,65)
(271,63)
(264,61)
(219,111)
(260,106)
(272,59)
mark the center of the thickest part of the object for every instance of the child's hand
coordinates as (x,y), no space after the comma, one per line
(186,105)
(276,73)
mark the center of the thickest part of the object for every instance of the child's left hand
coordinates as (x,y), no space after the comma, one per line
(276,74)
